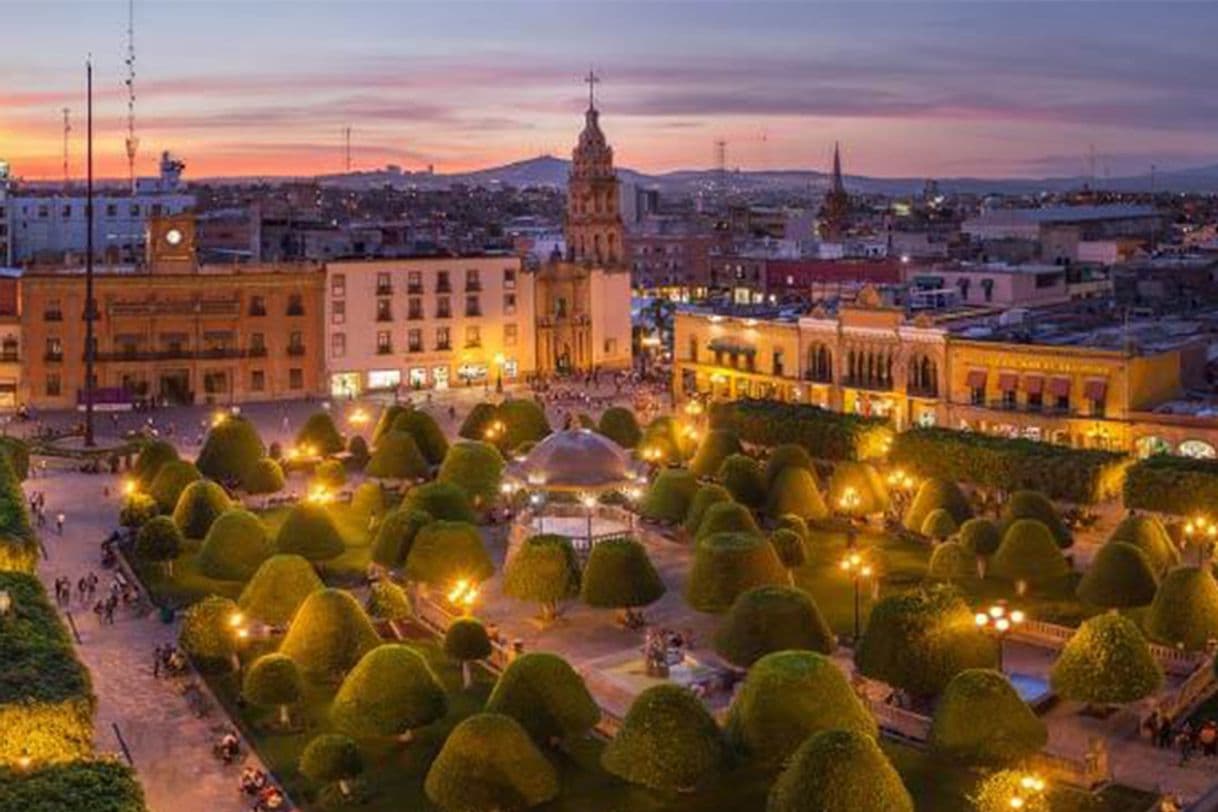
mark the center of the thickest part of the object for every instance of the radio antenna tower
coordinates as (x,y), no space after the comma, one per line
(133,143)
(67,128)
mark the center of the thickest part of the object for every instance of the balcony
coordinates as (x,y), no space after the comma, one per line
(384,350)
(384,316)
(414,315)
(52,315)
(473,312)
(444,313)
(812,377)
(9,357)
(473,345)
(257,311)
(384,290)
(414,290)
(1030,408)
(296,350)
(444,287)
(444,347)
(415,348)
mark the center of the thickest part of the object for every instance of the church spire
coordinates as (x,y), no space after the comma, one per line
(835,213)
(838,186)
(593,227)
(593,80)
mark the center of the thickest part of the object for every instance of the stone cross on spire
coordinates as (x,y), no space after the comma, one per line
(592,79)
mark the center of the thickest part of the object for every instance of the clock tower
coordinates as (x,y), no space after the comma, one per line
(170,244)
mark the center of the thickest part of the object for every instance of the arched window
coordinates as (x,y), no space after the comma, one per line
(1197,449)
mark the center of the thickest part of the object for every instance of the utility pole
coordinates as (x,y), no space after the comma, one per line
(89,308)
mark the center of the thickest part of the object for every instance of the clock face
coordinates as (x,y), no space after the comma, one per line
(173,236)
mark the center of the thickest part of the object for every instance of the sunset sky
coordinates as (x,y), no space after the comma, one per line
(912,89)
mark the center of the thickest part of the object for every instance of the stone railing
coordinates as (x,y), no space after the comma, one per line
(1176,662)
(1178,703)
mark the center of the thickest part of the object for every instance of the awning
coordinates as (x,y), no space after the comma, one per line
(1007,381)
(1059,387)
(976,379)
(1033,384)
(1095,390)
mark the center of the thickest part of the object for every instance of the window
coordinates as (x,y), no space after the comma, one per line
(414,309)
(443,285)
(976,395)
(338,284)
(414,282)
(296,343)
(257,381)
(443,339)
(473,336)
(295,305)
(338,312)
(414,340)
(257,305)
(384,342)
(444,308)
(383,310)
(53,311)
(54,349)
(509,279)
(472,281)
(473,307)
(509,304)
(66,212)
(610,346)
(383,286)
(338,345)
(257,344)
(296,378)
(52,384)
(777,362)
(1008,399)
(509,335)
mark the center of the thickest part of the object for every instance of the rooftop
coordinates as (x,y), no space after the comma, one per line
(1065,214)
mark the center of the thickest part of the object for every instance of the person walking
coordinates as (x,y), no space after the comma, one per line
(1184,743)
(59,520)
(158,655)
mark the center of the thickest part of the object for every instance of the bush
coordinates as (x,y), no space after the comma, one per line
(669,496)
(741,476)
(357,447)
(273,681)
(619,575)
(1120,577)
(235,546)
(388,601)
(995,791)
(1069,474)
(477,422)
(939,525)
(827,435)
(981,537)
(137,509)
(278,589)
(396,534)
(1148,535)
(1107,661)
(1028,554)
(199,505)
(207,633)
(427,434)
(767,619)
(1170,484)
(668,741)
(788,696)
(390,692)
(475,468)
(263,477)
(981,721)
(788,455)
(794,493)
(108,785)
(388,417)
(918,641)
(937,494)
(728,564)
(466,639)
(329,634)
(445,552)
(866,483)
(330,474)
(794,523)
(543,570)
(171,479)
(705,496)
(838,769)
(230,449)
(727,517)
(791,548)
(524,422)
(618,424)
(368,501)
(440,500)
(661,436)
(718,445)
(159,540)
(309,531)
(320,432)
(397,457)
(1034,505)
(546,696)
(950,561)
(331,758)
(1184,612)
(488,763)
(152,457)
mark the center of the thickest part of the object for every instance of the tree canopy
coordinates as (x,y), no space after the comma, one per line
(545,695)
(980,720)
(767,619)
(727,564)
(488,763)
(839,769)
(668,741)
(1107,661)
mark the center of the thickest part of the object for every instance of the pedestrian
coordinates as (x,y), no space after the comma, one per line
(82,586)
(98,609)
(93,581)
(1184,743)
(111,605)
(59,519)
(157,656)
(1208,739)
(1164,739)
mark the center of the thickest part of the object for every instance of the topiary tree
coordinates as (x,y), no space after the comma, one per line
(618,424)
(138,509)
(440,500)
(791,548)
(1184,612)
(387,418)
(309,531)
(727,564)
(951,562)
(661,437)
(524,421)
(939,525)
(1148,535)
(981,721)
(368,501)
(981,538)
(235,546)
(861,479)
(263,477)
(273,681)
(357,447)
(231,447)
(388,601)
(669,496)
(787,455)
(171,479)
(477,422)
(331,759)
(159,541)
(207,633)
(396,534)
(794,523)
(741,476)
(1029,555)
(427,434)
(727,517)
(278,589)
(329,634)
(446,552)
(391,692)
(488,763)
(330,474)
(839,769)
(152,457)
(937,494)
(620,576)
(794,493)
(396,457)
(475,468)
(1106,662)
(919,640)
(767,619)
(1035,505)
(200,504)
(543,570)
(788,696)
(995,791)
(1120,577)
(705,496)
(668,741)
(716,446)
(546,696)
(466,641)
(320,433)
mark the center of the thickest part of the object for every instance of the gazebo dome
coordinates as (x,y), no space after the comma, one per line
(575,459)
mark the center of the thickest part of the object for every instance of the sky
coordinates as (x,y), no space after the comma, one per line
(914,89)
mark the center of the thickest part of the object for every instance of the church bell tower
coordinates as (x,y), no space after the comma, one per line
(593,225)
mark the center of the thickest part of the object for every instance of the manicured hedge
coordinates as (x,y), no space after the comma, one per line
(825,434)
(546,696)
(474,467)
(397,456)
(18,453)
(1068,474)
(445,552)
(1108,662)
(200,504)
(390,692)
(1120,577)
(1029,554)
(489,763)
(235,546)
(866,483)
(207,633)
(320,432)
(440,500)
(278,589)
(741,476)
(668,741)
(705,496)
(170,480)
(80,786)
(982,721)
(543,570)
(1150,536)
(727,564)
(766,619)
(263,477)
(152,456)
(619,425)
(309,530)
(395,535)
(1184,612)
(619,575)
(839,770)
(18,544)
(427,434)
(1169,484)
(793,493)
(230,449)
(937,494)
(329,634)
(726,517)
(715,447)
(669,496)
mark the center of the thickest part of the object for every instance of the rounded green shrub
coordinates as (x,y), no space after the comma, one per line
(950,561)
(263,477)
(939,524)
(387,418)
(787,455)
(981,537)
(1148,535)
(331,758)
(794,493)
(440,500)
(396,457)
(524,422)
(1108,662)
(669,496)
(388,601)
(741,476)
(152,457)
(864,481)
(278,589)
(791,548)
(705,496)
(329,634)
(235,546)
(727,564)
(475,468)
(1029,554)
(477,421)
(618,424)
(309,531)
(171,479)
(546,696)
(981,721)
(794,523)
(937,494)
(230,449)
(1184,612)
(543,570)
(200,504)
(427,434)
(1120,577)
(786,697)
(487,764)
(16,452)
(357,447)
(619,575)
(661,436)
(158,540)
(390,692)
(839,769)
(330,474)
(273,681)
(368,500)
(137,510)
(466,639)
(767,619)
(445,552)
(395,535)
(207,633)
(727,517)
(668,741)
(320,433)
(716,446)
(1035,505)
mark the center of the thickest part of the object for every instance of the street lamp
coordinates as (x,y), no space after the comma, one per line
(358,418)
(848,503)
(1200,530)
(999,621)
(462,595)
(129,487)
(589,502)
(901,485)
(857,568)
(6,602)
(1028,788)
(241,631)
(499,362)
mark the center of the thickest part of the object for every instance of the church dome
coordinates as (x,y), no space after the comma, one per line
(575,459)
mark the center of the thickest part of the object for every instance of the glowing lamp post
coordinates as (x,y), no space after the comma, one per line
(1201,532)
(848,503)
(463,595)
(901,485)
(6,603)
(218,419)
(495,431)
(241,633)
(319,495)
(358,418)
(129,487)
(589,503)
(1030,786)
(857,569)
(999,621)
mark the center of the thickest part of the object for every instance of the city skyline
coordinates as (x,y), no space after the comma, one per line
(253,88)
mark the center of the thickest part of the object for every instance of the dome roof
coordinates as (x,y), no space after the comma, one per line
(574,459)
